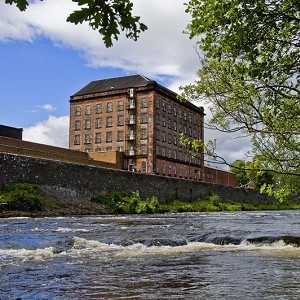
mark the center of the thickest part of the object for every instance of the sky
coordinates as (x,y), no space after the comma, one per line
(44,60)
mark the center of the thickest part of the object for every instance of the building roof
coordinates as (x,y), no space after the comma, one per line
(126,82)
(117,83)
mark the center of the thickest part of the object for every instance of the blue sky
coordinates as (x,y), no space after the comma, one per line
(44,60)
(39,73)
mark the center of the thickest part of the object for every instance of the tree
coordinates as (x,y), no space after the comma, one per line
(106,16)
(250,63)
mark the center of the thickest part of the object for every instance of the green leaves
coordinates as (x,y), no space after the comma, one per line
(108,17)
(250,74)
(21,4)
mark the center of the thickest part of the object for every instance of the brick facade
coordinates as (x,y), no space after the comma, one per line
(143,120)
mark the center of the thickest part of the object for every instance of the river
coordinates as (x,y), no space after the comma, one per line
(226,255)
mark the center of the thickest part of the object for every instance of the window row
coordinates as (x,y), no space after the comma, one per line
(188,131)
(98,107)
(98,138)
(109,122)
(174,110)
(174,154)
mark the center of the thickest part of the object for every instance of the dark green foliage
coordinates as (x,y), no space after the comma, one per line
(128,202)
(20,196)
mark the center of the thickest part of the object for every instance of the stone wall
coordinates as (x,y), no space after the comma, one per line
(82,181)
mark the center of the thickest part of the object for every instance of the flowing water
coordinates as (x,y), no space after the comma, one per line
(234,255)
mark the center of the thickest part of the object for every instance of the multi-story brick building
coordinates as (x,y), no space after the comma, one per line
(141,118)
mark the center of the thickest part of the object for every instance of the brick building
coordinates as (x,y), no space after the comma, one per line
(142,119)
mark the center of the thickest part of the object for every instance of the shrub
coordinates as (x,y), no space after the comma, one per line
(21,196)
(126,202)
(214,200)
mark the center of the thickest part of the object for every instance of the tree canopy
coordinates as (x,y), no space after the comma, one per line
(250,63)
(108,17)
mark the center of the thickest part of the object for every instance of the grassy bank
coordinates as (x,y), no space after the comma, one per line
(30,200)
(130,202)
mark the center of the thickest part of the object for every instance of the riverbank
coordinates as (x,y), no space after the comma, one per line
(26,200)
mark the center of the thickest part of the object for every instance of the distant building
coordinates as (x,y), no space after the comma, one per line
(141,118)
(11,132)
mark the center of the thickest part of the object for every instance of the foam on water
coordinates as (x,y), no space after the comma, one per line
(91,248)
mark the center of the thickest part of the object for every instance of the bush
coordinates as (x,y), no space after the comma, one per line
(128,202)
(20,196)
(214,200)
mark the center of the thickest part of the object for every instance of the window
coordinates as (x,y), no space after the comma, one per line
(120,105)
(190,131)
(144,166)
(144,118)
(175,139)
(180,113)
(169,123)
(190,118)
(157,119)
(175,125)
(131,103)
(120,149)
(180,127)
(109,107)
(169,139)
(175,171)
(157,103)
(163,153)
(109,122)
(143,133)
(144,103)
(163,121)
(87,124)
(77,140)
(164,169)
(98,138)
(120,120)
(175,111)
(108,137)
(169,109)
(108,149)
(77,125)
(157,134)
(88,110)
(163,106)
(131,119)
(98,123)
(131,135)
(174,154)
(77,110)
(98,108)
(169,153)
(143,149)
(163,136)
(170,169)
(184,116)
(87,139)
(120,136)
(157,150)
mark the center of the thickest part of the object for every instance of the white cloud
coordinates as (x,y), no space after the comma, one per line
(162,50)
(54,131)
(46,107)
(162,53)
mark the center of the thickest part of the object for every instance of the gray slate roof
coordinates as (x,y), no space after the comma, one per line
(117,83)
